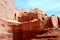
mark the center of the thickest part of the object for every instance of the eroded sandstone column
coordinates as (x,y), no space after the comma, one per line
(54,20)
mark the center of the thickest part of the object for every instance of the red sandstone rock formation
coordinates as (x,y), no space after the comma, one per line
(45,21)
(26,23)
(25,20)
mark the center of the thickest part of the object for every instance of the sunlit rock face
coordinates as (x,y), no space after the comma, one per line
(40,13)
(54,21)
(21,14)
(7,9)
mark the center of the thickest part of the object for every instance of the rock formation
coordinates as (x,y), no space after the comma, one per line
(45,21)
(24,22)
(54,21)
(34,20)
(7,9)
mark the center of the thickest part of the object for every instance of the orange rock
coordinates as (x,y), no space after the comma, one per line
(49,23)
(34,25)
(25,26)
(32,16)
(16,29)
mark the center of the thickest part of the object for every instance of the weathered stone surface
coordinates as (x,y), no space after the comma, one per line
(40,13)
(54,20)
(32,16)
(45,21)
(59,21)
(48,23)
(29,24)
(20,14)
(7,9)
(6,36)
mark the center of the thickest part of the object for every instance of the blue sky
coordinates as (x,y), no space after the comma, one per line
(49,6)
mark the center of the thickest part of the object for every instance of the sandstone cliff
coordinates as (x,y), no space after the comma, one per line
(7,9)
